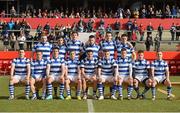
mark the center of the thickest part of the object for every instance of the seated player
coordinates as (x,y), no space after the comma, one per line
(38,74)
(55,73)
(20,72)
(141,68)
(89,71)
(160,74)
(107,72)
(125,74)
(73,75)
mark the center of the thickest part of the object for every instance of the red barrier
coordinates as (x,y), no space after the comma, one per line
(53,21)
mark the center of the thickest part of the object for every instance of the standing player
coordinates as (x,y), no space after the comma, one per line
(160,74)
(43,46)
(89,71)
(125,44)
(38,74)
(55,73)
(91,45)
(75,45)
(108,44)
(62,48)
(107,72)
(20,72)
(141,68)
(125,74)
(73,75)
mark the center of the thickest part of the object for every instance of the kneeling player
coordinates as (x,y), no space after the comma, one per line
(55,73)
(125,74)
(89,71)
(20,72)
(38,74)
(107,67)
(160,74)
(73,75)
(141,68)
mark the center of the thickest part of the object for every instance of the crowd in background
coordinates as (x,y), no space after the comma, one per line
(145,11)
(20,32)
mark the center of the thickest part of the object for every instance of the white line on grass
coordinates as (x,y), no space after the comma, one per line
(90,104)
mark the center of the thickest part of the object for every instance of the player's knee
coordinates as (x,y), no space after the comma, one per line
(167,83)
(135,81)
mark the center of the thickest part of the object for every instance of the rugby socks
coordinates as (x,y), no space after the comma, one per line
(78,92)
(68,92)
(27,89)
(114,90)
(11,90)
(34,95)
(61,89)
(49,88)
(130,89)
(119,87)
(100,89)
(44,93)
(94,91)
(169,90)
(153,89)
(145,90)
(137,90)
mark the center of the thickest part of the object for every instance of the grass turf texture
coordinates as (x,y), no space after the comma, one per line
(107,105)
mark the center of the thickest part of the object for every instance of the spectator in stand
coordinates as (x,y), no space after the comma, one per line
(157,43)
(128,13)
(39,30)
(129,29)
(173,31)
(136,13)
(178,12)
(13,42)
(134,38)
(6,42)
(11,26)
(29,39)
(141,32)
(51,37)
(149,42)
(108,28)
(90,25)
(47,28)
(17,27)
(120,12)
(149,29)
(174,12)
(158,13)
(21,39)
(177,31)
(117,25)
(160,31)
(168,12)
(3,14)
(143,11)
(13,12)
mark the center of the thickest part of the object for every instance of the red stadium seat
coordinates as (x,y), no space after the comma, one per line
(173,69)
(5,67)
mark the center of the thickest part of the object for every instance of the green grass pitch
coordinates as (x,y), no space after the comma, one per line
(107,105)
